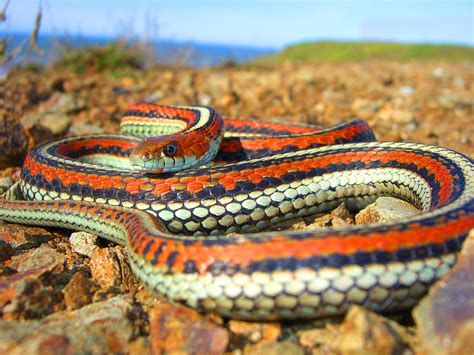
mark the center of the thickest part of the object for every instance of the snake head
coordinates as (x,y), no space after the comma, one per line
(171,153)
(158,155)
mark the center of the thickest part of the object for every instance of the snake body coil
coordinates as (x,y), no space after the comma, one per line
(174,225)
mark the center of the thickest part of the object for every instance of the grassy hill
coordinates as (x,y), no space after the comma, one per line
(354,51)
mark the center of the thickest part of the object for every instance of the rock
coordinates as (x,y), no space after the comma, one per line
(176,329)
(23,237)
(42,257)
(438,72)
(365,106)
(53,119)
(407,90)
(205,100)
(6,251)
(27,293)
(323,340)
(31,298)
(386,209)
(102,327)
(109,267)
(255,332)
(395,115)
(276,348)
(445,317)
(447,99)
(83,243)
(340,216)
(364,332)
(5,184)
(78,291)
(13,142)
(10,281)
(85,129)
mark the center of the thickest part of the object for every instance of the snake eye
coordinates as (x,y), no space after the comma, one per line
(171,149)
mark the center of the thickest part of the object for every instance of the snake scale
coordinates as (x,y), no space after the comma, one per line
(242,177)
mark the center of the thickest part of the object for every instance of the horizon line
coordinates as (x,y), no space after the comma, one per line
(229,44)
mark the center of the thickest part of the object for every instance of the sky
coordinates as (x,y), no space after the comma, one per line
(258,23)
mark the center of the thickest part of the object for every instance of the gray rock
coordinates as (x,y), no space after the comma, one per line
(445,317)
(101,327)
(386,209)
(83,243)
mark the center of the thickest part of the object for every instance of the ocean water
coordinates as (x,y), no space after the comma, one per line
(163,51)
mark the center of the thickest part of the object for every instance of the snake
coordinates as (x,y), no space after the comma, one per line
(197,200)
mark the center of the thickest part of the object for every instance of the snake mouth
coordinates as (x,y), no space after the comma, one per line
(147,166)
(163,165)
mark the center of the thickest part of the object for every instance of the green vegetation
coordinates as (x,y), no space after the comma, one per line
(355,51)
(114,57)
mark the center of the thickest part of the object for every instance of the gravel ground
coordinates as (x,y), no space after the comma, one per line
(77,293)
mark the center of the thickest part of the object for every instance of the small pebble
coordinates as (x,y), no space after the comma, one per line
(83,243)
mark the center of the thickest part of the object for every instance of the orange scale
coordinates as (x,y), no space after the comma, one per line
(116,178)
(279,173)
(49,175)
(161,189)
(172,180)
(179,186)
(226,181)
(133,188)
(146,187)
(217,175)
(255,178)
(106,184)
(129,180)
(194,187)
(277,145)
(202,178)
(211,183)
(187,179)
(231,175)
(83,181)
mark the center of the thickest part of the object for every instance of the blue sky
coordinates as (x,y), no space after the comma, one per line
(261,23)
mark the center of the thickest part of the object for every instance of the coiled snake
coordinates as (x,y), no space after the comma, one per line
(173,224)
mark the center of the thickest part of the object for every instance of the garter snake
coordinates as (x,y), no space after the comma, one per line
(173,224)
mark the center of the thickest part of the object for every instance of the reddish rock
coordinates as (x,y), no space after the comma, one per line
(31,298)
(276,348)
(55,344)
(341,216)
(102,327)
(9,283)
(176,329)
(445,317)
(28,293)
(255,332)
(366,332)
(323,339)
(44,256)
(78,291)
(23,237)
(6,251)
(109,267)
(13,142)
